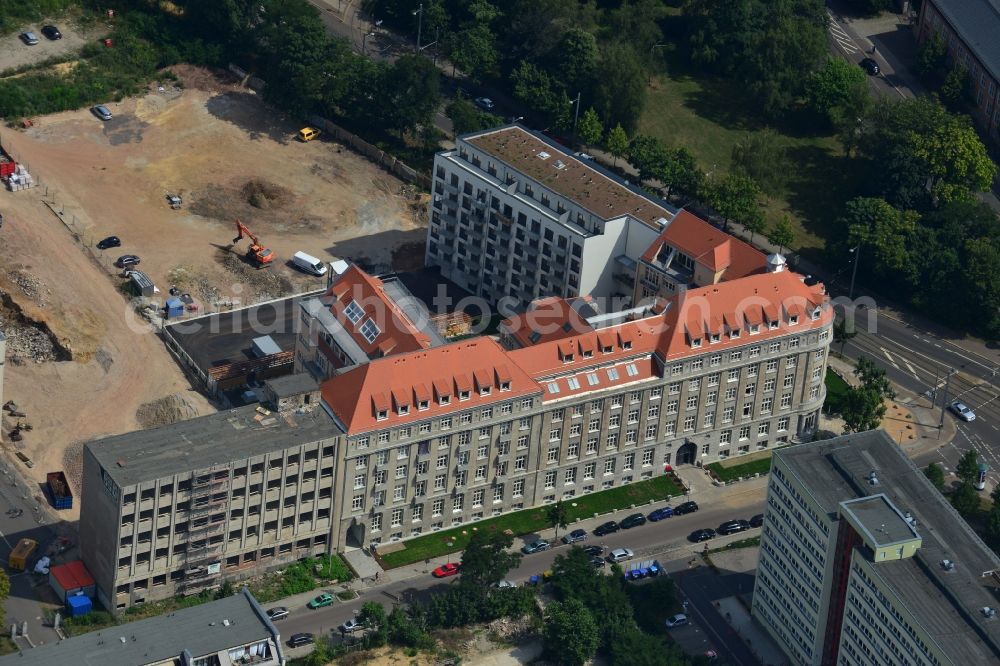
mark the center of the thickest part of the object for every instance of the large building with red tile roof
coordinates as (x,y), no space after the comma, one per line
(409,438)
(690,252)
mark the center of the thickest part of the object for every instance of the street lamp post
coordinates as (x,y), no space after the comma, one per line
(576,114)
(420,23)
(364,39)
(854,273)
(944,403)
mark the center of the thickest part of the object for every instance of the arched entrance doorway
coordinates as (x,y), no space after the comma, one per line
(686,454)
(355,535)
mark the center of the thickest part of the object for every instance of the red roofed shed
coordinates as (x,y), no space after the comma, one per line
(71,579)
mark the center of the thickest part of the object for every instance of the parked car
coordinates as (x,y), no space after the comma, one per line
(536,546)
(597,562)
(51,32)
(660,514)
(277,613)
(701,535)
(686,507)
(609,527)
(962,411)
(351,626)
(321,601)
(635,520)
(101,112)
(594,551)
(485,103)
(870,66)
(678,620)
(733,527)
(109,242)
(446,570)
(757,520)
(126,260)
(505,585)
(620,555)
(29,38)
(575,536)
(298,640)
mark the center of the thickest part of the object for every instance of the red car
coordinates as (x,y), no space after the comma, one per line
(446,570)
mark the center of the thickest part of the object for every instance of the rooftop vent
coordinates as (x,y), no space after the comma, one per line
(873,478)
(947,565)
(226,622)
(559,164)
(988,612)
(544,155)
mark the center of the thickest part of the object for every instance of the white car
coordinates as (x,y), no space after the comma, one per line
(962,411)
(485,103)
(678,620)
(620,555)
(350,627)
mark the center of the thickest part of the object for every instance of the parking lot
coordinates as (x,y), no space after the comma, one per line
(15,54)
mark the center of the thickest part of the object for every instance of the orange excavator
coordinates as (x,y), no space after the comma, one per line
(256,254)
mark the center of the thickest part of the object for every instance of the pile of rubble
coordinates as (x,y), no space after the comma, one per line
(507,629)
(166,410)
(258,284)
(30,286)
(26,343)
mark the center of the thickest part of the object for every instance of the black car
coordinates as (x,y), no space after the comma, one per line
(757,520)
(635,520)
(51,32)
(870,66)
(298,640)
(594,551)
(701,535)
(733,527)
(126,260)
(575,536)
(109,242)
(686,507)
(609,527)
(598,562)
(277,613)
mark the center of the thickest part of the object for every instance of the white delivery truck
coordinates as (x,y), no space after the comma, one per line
(308,264)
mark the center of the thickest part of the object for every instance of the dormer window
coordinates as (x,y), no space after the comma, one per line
(504,386)
(696,342)
(713,338)
(754,329)
(607,349)
(771,325)
(485,390)
(463,395)
(568,358)
(587,353)
(733,334)
(444,400)
(815,314)
(403,410)
(423,404)
(627,344)
(382,414)
(793,320)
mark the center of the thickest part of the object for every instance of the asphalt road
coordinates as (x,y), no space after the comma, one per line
(919,361)
(647,542)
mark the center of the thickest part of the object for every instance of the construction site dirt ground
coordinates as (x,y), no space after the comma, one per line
(229,157)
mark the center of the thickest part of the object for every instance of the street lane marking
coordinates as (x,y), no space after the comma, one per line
(889,356)
(912,371)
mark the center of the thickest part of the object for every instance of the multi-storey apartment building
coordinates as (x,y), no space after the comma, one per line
(418,441)
(514,215)
(864,562)
(970,29)
(690,252)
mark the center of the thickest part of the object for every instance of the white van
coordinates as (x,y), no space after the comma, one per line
(309,264)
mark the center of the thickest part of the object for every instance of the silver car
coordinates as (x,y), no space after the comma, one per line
(29,38)
(962,411)
(101,112)
(620,555)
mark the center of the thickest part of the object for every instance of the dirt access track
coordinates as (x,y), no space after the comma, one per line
(205,141)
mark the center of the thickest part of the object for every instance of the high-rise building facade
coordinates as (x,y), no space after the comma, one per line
(864,562)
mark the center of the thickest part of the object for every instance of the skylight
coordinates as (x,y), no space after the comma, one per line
(592,378)
(354,312)
(613,374)
(370,330)
(574,383)
(631,370)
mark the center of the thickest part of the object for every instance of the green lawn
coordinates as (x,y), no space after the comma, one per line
(532,520)
(708,115)
(836,392)
(735,471)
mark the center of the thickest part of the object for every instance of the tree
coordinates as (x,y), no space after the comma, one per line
(869,7)
(841,334)
(4,593)
(992,531)
(574,576)
(957,92)
(410,92)
(485,560)
(576,60)
(372,617)
(472,48)
(538,91)
(935,473)
(620,91)
(737,198)
(617,142)
(932,57)
(465,117)
(760,157)
(835,88)
(557,515)
(884,232)
(781,233)
(967,469)
(965,499)
(591,129)
(864,406)
(570,634)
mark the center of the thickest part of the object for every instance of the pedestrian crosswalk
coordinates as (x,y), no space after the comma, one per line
(841,37)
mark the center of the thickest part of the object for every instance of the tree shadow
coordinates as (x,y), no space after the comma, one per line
(247,111)
(817,187)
